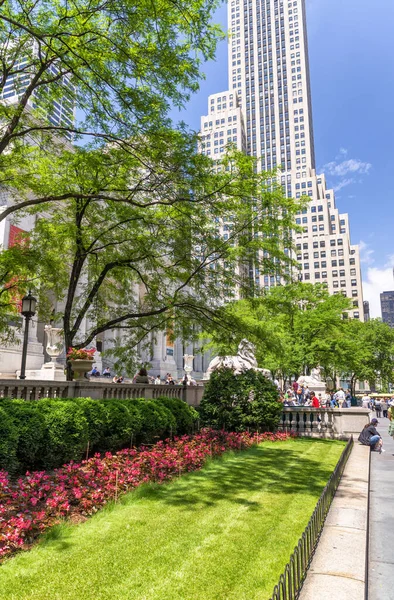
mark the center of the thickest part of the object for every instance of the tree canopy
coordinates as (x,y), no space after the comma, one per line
(120,66)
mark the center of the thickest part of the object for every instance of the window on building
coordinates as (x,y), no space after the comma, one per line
(354,293)
(334,263)
(353,282)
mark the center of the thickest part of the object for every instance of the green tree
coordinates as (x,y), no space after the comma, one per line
(158,261)
(121,65)
(366,352)
(295,327)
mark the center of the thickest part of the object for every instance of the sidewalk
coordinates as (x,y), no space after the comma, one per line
(381,520)
(337,570)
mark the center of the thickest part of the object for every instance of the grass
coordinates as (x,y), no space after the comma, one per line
(222,533)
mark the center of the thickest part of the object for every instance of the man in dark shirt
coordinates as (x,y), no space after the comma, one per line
(371,437)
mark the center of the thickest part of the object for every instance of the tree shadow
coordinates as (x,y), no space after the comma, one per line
(272,469)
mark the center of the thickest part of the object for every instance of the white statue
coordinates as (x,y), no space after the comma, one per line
(244,360)
(313,381)
(188,366)
(55,344)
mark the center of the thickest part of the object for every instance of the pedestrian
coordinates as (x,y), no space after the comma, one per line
(390,414)
(300,395)
(107,372)
(315,400)
(378,407)
(340,397)
(142,376)
(384,406)
(307,393)
(371,437)
(366,401)
(157,380)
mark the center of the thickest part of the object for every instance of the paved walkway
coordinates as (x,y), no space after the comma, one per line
(381,520)
(337,571)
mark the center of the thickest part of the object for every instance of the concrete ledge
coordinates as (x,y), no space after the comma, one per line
(338,567)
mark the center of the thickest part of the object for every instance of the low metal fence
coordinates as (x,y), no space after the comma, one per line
(293,577)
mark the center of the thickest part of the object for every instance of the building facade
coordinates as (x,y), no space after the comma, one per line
(269,95)
(387,306)
(59,111)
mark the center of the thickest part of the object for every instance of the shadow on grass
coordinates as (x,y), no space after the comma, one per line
(276,469)
(234,477)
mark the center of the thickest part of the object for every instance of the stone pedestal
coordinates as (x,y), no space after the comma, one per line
(51,371)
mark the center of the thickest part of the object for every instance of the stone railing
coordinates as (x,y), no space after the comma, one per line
(338,423)
(34,390)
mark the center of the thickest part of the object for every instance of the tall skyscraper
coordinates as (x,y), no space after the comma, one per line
(387,306)
(59,110)
(269,84)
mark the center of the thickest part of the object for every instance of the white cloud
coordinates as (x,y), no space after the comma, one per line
(377,281)
(343,183)
(342,152)
(352,165)
(366,253)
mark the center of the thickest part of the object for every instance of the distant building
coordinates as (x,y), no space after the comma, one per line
(367,315)
(59,109)
(387,306)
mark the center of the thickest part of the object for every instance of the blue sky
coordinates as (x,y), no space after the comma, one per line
(351,52)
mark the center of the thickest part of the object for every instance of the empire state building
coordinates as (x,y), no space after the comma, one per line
(267,113)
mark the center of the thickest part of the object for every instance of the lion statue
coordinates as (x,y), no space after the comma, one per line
(244,360)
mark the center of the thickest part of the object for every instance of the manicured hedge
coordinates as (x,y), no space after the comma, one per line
(47,433)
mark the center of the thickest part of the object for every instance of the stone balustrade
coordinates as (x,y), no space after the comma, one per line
(34,390)
(339,423)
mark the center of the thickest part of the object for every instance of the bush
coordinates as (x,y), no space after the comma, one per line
(237,402)
(67,432)
(122,423)
(185,415)
(31,428)
(156,420)
(8,441)
(52,431)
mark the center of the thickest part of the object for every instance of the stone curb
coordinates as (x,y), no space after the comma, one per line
(338,566)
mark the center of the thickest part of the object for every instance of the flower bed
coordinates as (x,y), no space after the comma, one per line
(35,502)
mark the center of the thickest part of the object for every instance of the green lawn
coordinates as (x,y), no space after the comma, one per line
(223,533)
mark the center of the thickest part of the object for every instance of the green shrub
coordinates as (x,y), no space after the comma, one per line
(122,424)
(156,420)
(96,416)
(30,425)
(52,431)
(8,442)
(67,432)
(185,415)
(237,402)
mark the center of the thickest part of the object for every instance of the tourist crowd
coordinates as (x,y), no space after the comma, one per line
(299,395)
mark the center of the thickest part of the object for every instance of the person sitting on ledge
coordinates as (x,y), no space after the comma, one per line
(142,376)
(370,437)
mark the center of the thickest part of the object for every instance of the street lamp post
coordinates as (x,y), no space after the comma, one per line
(29,304)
